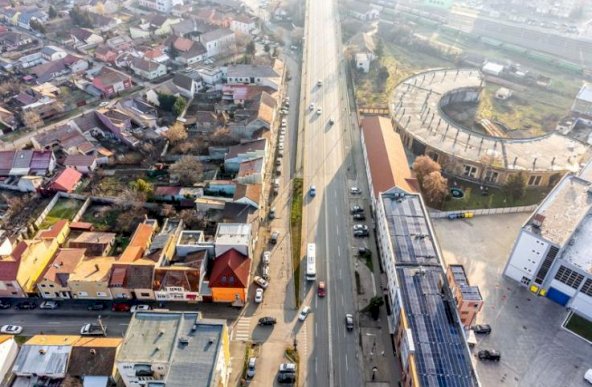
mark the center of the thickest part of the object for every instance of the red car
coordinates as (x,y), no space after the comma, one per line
(321,290)
(121,307)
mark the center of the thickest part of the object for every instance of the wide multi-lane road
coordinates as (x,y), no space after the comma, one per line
(332,359)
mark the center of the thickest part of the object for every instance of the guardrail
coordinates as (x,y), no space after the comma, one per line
(435,214)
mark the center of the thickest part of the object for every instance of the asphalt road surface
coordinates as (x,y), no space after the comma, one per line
(332,359)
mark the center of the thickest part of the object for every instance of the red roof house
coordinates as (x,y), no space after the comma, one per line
(66,180)
(229,279)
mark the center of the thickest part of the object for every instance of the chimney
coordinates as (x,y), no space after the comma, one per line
(42,351)
(93,351)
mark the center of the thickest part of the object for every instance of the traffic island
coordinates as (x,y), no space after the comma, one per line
(296,234)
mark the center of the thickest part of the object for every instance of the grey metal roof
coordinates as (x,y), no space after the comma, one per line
(42,360)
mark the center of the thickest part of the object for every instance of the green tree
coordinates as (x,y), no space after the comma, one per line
(379,50)
(382,75)
(80,17)
(38,26)
(267,48)
(52,13)
(179,106)
(141,185)
(374,307)
(515,186)
(166,101)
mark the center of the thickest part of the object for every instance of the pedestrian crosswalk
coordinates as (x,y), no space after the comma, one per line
(242,329)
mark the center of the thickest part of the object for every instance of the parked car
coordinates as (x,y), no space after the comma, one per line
(286,378)
(319,83)
(361,233)
(359,216)
(331,122)
(489,354)
(272,213)
(588,376)
(49,305)
(5,305)
(304,313)
(267,321)
(357,227)
(355,191)
(11,329)
(259,295)
(287,368)
(311,107)
(319,111)
(349,322)
(356,209)
(121,307)
(93,330)
(321,290)
(140,308)
(26,305)
(274,237)
(312,191)
(483,329)
(251,368)
(261,282)
(265,272)
(97,306)
(266,258)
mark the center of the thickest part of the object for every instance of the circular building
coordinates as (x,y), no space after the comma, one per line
(416,111)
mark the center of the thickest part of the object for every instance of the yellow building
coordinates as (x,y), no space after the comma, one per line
(90,279)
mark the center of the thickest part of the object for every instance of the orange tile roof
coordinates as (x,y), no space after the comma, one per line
(64,262)
(54,230)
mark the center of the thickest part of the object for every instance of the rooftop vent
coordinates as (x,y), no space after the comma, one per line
(537,220)
(183,340)
(93,351)
(42,351)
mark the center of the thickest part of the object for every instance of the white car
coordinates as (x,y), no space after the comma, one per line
(282,131)
(304,313)
(355,190)
(311,107)
(259,295)
(11,329)
(319,83)
(319,111)
(49,305)
(282,138)
(140,308)
(281,146)
(588,376)
(266,257)
(261,282)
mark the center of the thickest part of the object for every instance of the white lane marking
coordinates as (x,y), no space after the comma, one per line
(316,329)
(337,231)
(338,251)
(346,361)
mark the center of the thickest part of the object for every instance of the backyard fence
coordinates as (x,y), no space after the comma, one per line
(483,211)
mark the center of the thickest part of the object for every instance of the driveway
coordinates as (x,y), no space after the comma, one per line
(526,329)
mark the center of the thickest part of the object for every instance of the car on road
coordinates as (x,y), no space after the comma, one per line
(96,306)
(26,305)
(261,282)
(5,305)
(11,329)
(361,233)
(259,295)
(331,121)
(266,257)
(588,376)
(355,191)
(265,272)
(283,131)
(274,237)
(251,367)
(93,330)
(304,313)
(357,227)
(319,111)
(321,289)
(121,307)
(349,322)
(286,378)
(281,146)
(356,209)
(271,213)
(267,321)
(359,216)
(312,191)
(483,329)
(49,305)
(287,368)
(282,138)
(489,354)
(319,83)
(140,308)
(311,107)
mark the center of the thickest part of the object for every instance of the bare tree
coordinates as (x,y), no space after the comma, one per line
(32,120)
(59,106)
(188,169)
(193,219)
(435,188)
(223,137)
(127,221)
(168,210)
(176,133)
(423,166)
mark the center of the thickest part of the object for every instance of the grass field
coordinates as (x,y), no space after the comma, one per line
(296,233)
(580,326)
(63,209)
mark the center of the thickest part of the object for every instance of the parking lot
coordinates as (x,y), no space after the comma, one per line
(526,329)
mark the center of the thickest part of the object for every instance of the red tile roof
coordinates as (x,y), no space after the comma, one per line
(231,270)
(54,230)
(183,44)
(66,180)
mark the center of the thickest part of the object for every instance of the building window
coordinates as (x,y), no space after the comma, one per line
(101,294)
(535,180)
(83,294)
(470,171)
(491,176)
(145,294)
(525,281)
(587,288)
(569,277)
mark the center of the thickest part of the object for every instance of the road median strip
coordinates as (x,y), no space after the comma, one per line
(296,233)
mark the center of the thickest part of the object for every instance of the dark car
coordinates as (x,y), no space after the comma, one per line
(489,354)
(121,307)
(349,322)
(359,216)
(356,210)
(5,305)
(483,329)
(96,306)
(361,233)
(26,305)
(267,321)
(284,378)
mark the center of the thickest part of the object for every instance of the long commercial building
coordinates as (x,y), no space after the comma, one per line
(552,255)
(423,320)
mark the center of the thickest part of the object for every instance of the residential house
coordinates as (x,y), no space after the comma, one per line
(249,194)
(582,105)
(251,171)
(251,74)
(148,69)
(90,278)
(139,242)
(95,243)
(467,297)
(120,43)
(188,51)
(165,6)
(189,84)
(92,362)
(174,349)
(225,188)
(81,163)
(132,281)
(8,351)
(43,360)
(243,24)
(26,162)
(8,119)
(85,37)
(141,112)
(12,41)
(30,183)
(66,181)
(218,42)
(363,62)
(363,11)
(211,75)
(181,279)
(105,54)
(110,81)
(247,150)
(205,204)
(52,53)
(235,236)
(240,213)
(53,283)
(189,242)
(75,64)
(118,124)
(161,25)
(229,280)
(257,116)
(25,15)
(203,122)
(49,71)
(156,54)
(65,138)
